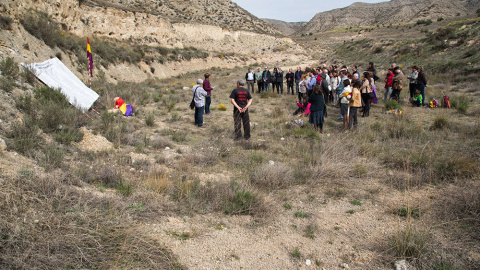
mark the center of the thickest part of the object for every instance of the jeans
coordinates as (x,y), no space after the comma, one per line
(387,92)
(266,86)
(208,101)
(421,87)
(199,115)
(238,119)
(279,86)
(297,83)
(290,86)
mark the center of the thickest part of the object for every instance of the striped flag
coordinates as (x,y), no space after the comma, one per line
(90,58)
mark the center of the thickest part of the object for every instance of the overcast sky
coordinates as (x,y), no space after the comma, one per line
(294,10)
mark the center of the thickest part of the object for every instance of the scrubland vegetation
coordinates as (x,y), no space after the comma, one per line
(408,182)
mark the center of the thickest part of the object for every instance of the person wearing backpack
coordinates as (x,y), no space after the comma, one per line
(199,95)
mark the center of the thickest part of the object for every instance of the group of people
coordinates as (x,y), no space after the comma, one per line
(345,88)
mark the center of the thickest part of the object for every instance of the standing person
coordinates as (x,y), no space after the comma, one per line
(334,82)
(413,81)
(266,79)
(274,80)
(241,100)
(259,79)
(303,85)
(397,84)
(298,78)
(371,68)
(355,71)
(366,89)
(290,79)
(421,82)
(387,92)
(312,81)
(347,90)
(325,88)
(355,103)
(316,108)
(250,78)
(208,88)
(279,79)
(199,98)
(339,90)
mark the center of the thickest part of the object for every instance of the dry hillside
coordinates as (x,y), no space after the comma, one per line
(391,12)
(287,28)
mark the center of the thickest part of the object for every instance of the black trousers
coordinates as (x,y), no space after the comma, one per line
(367,101)
(238,119)
(260,85)
(353,120)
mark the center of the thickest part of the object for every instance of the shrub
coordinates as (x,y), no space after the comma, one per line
(440,19)
(273,176)
(410,243)
(242,203)
(150,120)
(28,75)
(440,122)
(392,105)
(296,253)
(53,157)
(25,137)
(461,104)
(5,22)
(9,68)
(425,22)
(7,84)
(68,135)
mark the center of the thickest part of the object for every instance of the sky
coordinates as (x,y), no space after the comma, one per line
(294,10)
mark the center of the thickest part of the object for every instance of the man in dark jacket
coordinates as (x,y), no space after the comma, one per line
(298,78)
(290,79)
(279,79)
(267,78)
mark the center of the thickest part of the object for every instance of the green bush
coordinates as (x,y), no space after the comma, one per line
(440,122)
(243,203)
(28,75)
(150,120)
(461,104)
(9,68)
(425,22)
(53,157)
(7,84)
(24,136)
(5,23)
(392,105)
(67,135)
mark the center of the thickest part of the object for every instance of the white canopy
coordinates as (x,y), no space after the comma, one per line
(56,75)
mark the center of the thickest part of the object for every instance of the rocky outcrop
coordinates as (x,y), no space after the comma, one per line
(392,12)
(227,48)
(286,28)
(222,13)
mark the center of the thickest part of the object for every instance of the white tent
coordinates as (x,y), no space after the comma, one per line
(56,75)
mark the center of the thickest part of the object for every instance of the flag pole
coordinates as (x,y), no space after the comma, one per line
(90,62)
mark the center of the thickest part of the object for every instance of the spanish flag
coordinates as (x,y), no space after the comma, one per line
(90,57)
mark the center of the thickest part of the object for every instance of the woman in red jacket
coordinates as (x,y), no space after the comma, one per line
(388,84)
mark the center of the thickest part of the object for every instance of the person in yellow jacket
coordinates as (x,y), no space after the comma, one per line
(355,102)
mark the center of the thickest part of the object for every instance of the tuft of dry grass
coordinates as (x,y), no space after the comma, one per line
(273,176)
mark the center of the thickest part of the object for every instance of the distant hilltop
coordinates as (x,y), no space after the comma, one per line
(392,12)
